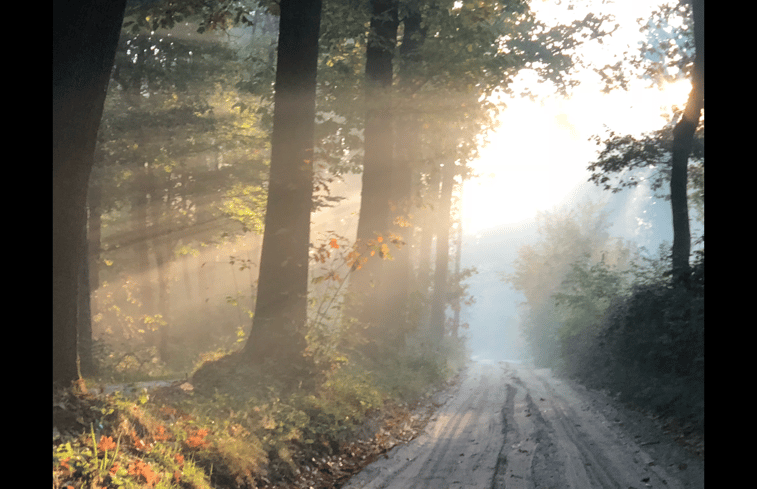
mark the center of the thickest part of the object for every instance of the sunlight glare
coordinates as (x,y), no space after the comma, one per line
(539,154)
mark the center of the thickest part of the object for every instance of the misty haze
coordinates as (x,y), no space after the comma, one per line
(378,244)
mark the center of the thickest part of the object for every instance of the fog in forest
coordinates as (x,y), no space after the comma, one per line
(315,231)
(170,260)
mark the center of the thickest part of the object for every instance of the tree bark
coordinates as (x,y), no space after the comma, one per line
(85,36)
(281,307)
(397,272)
(683,136)
(379,148)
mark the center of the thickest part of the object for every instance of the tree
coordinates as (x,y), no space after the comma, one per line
(85,35)
(439,301)
(683,135)
(180,163)
(569,239)
(625,160)
(452,56)
(281,306)
(379,148)
(668,149)
(397,273)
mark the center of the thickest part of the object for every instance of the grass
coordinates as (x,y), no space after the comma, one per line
(234,432)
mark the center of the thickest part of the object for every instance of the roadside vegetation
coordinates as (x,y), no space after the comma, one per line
(610,315)
(231,427)
(648,345)
(600,309)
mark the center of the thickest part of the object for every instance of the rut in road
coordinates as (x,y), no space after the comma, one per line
(459,447)
(573,446)
(507,426)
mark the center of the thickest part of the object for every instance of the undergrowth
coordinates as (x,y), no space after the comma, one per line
(232,424)
(185,437)
(649,348)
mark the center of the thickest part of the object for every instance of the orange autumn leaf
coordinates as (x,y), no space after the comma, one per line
(161,433)
(197,439)
(141,469)
(106,443)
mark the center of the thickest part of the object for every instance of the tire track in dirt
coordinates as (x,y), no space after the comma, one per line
(577,447)
(513,427)
(459,447)
(521,435)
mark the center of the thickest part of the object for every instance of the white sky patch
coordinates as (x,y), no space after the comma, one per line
(540,152)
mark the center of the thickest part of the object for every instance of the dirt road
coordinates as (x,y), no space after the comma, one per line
(507,426)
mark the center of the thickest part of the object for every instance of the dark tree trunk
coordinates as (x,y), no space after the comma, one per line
(379,147)
(396,281)
(85,36)
(281,306)
(683,136)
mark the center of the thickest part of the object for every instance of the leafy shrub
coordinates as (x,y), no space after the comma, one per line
(414,370)
(340,405)
(585,294)
(649,347)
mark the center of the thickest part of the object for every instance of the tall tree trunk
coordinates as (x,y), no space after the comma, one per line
(91,282)
(142,229)
(439,302)
(397,273)
(377,167)
(163,262)
(85,36)
(84,312)
(281,307)
(457,306)
(428,229)
(683,136)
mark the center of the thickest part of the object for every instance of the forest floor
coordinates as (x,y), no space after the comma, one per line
(493,426)
(142,454)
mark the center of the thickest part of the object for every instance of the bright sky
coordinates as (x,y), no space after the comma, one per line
(540,153)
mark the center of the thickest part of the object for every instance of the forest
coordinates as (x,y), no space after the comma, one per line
(258,229)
